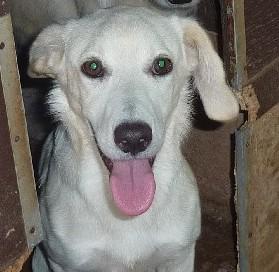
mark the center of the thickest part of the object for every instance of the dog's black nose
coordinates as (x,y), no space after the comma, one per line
(133,137)
(180,2)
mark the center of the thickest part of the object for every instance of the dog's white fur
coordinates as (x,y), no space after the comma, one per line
(83,230)
(31,16)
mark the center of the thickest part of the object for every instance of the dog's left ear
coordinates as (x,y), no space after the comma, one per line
(47,53)
(218,100)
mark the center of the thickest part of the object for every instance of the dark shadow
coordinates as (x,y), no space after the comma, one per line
(200,119)
(34,92)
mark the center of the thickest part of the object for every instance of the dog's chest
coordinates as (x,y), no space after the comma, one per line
(132,252)
(121,247)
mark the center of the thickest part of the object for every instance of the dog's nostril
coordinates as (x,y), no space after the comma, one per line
(124,142)
(133,137)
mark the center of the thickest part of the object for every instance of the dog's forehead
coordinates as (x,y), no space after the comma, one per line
(124,30)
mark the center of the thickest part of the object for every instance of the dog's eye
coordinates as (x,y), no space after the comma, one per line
(161,66)
(93,68)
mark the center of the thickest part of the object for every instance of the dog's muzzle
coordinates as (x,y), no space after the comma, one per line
(132,181)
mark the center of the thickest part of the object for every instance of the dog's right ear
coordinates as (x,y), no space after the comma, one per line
(47,53)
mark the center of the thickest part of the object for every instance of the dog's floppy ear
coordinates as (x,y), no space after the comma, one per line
(47,52)
(218,100)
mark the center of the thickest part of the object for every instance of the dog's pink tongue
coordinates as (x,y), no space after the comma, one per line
(133,186)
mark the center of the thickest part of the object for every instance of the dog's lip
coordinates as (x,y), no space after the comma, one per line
(109,163)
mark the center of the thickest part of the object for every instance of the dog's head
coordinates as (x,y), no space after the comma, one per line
(126,71)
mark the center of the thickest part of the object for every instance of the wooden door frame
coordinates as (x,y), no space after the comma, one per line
(19,185)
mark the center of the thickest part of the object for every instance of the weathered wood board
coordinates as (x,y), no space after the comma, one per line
(12,234)
(262,38)
(20,227)
(257,167)
(262,44)
(266,86)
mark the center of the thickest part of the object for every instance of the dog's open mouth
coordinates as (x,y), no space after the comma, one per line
(132,184)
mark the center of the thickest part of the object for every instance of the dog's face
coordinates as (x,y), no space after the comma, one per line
(124,71)
(127,75)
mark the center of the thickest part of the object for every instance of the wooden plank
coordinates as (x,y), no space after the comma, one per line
(263,191)
(234,42)
(12,234)
(19,264)
(258,182)
(18,134)
(241,197)
(20,227)
(262,28)
(266,87)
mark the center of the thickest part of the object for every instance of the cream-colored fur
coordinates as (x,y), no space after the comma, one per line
(83,229)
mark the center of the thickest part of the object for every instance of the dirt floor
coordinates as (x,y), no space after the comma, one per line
(216,251)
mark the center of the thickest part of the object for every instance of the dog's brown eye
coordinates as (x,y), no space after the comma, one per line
(161,66)
(93,68)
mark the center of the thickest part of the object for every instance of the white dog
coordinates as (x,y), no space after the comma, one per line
(116,192)
(31,16)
